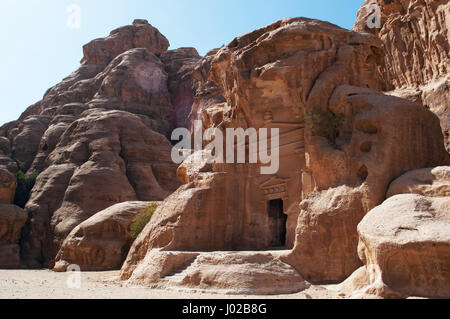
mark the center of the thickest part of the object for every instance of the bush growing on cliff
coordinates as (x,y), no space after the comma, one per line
(25,184)
(326,124)
(142,220)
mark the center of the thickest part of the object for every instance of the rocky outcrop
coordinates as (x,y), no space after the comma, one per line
(429,182)
(5,155)
(139,35)
(335,130)
(104,158)
(12,219)
(233,273)
(101,242)
(97,138)
(416,39)
(7,186)
(367,159)
(26,137)
(180,65)
(405,246)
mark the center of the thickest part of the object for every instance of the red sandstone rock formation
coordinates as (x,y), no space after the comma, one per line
(416,39)
(12,219)
(102,159)
(405,242)
(336,132)
(101,242)
(180,65)
(98,137)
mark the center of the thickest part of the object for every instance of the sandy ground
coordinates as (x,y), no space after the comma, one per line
(46,284)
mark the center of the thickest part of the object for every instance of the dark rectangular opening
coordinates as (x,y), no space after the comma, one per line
(277,223)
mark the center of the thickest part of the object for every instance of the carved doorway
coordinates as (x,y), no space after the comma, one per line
(277,223)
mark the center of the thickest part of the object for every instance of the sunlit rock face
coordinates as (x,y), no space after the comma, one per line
(96,139)
(415,35)
(341,144)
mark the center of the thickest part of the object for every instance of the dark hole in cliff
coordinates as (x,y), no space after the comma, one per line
(45,147)
(366,126)
(366,147)
(363,173)
(277,223)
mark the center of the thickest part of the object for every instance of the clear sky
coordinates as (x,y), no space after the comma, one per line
(38,49)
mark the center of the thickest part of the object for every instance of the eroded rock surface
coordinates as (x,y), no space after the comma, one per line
(101,242)
(180,66)
(7,186)
(405,247)
(429,182)
(251,273)
(97,138)
(104,158)
(12,219)
(417,42)
(335,130)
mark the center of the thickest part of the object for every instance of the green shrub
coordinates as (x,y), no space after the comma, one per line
(325,124)
(25,184)
(142,220)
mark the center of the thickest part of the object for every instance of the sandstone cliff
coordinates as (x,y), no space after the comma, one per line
(415,34)
(99,137)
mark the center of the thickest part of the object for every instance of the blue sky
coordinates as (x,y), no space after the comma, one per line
(39,49)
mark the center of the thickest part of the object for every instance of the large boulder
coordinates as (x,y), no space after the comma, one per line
(326,237)
(234,273)
(101,242)
(405,247)
(12,219)
(430,182)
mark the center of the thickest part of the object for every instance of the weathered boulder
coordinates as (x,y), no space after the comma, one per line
(326,237)
(12,219)
(103,158)
(416,36)
(250,273)
(405,247)
(101,242)
(429,182)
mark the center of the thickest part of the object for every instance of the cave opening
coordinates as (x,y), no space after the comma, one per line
(277,223)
